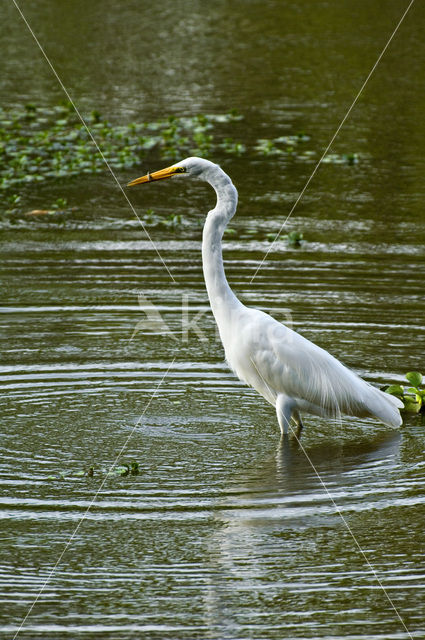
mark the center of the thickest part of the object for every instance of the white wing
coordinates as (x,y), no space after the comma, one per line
(276,360)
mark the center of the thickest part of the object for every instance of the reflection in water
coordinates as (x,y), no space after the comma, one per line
(293,481)
(283,511)
(296,463)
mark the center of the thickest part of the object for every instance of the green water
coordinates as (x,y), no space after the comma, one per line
(226,533)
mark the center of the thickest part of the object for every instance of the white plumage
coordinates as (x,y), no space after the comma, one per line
(289,371)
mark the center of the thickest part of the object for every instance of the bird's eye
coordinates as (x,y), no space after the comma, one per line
(180,170)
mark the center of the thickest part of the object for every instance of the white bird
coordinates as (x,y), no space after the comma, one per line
(289,371)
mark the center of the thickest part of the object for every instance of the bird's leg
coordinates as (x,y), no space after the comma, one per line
(299,424)
(284,408)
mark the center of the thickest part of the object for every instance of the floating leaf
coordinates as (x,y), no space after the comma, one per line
(134,468)
(122,470)
(395,390)
(351,158)
(414,377)
(412,390)
(294,238)
(412,405)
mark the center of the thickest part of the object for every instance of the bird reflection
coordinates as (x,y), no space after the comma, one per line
(297,463)
(274,519)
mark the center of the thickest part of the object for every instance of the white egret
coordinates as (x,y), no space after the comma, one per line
(289,371)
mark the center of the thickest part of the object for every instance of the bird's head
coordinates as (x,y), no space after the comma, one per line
(195,167)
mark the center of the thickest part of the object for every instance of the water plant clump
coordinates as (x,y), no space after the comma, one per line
(411,394)
(131,468)
(126,469)
(38,143)
(72,475)
(341,158)
(293,238)
(170,221)
(59,207)
(282,145)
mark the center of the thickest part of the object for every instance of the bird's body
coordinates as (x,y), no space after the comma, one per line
(289,371)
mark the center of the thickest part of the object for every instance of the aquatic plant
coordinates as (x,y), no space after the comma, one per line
(170,221)
(282,145)
(126,469)
(232,147)
(37,143)
(70,475)
(293,238)
(60,206)
(341,158)
(413,396)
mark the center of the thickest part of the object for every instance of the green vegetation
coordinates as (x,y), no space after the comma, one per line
(412,396)
(38,143)
(293,238)
(283,145)
(344,158)
(175,221)
(41,143)
(171,221)
(60,206)
(126,469)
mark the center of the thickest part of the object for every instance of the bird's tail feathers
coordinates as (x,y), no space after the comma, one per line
(385,407)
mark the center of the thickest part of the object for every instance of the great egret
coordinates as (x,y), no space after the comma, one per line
(289,371)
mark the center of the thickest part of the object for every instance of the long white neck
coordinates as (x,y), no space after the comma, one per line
(222,299)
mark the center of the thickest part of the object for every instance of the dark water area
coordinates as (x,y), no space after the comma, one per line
(227,532)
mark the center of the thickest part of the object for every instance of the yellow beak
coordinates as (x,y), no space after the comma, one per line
(157,175)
